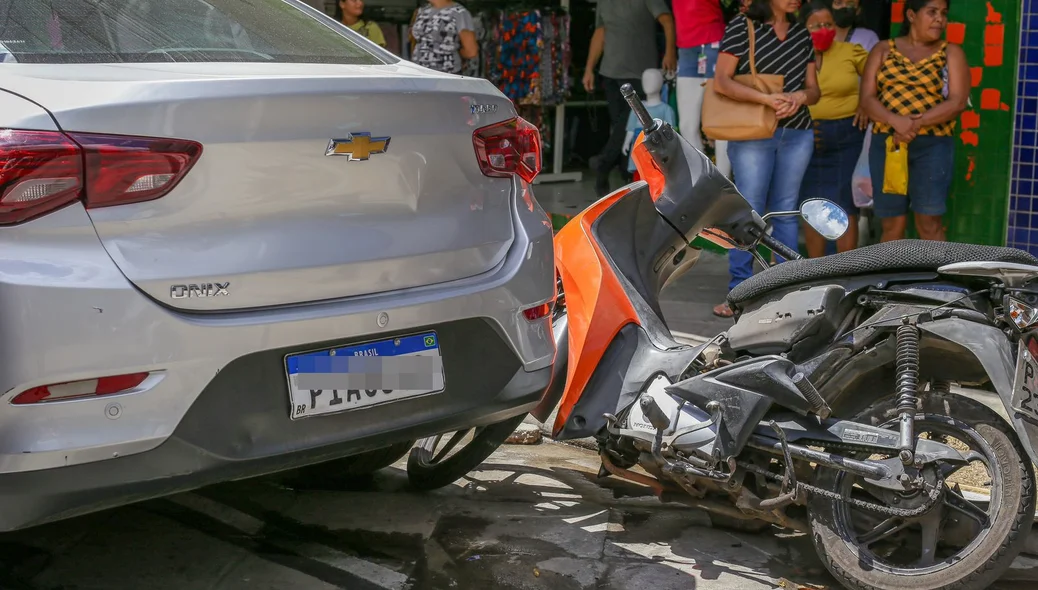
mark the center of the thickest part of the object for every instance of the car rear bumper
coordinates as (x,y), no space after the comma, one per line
(70,315)
(239,427)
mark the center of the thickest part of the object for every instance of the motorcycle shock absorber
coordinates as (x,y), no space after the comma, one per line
(907,360)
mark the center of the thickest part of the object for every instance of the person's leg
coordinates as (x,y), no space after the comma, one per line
(891,210)
(931,161)
(816,185)
(611,151)
(849,240)
(814,241)
(721,155)
(690,109)
(752,162)
(690,95)
(792,157)
(850,140)
(721,160)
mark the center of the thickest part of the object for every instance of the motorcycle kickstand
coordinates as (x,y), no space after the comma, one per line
(790,485)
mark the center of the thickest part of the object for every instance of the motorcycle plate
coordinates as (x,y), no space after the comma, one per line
(1025,388)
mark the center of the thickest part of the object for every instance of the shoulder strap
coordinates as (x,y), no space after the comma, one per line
(750,30)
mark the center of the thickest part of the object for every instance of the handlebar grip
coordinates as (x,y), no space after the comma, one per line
(780,248)
(647,122)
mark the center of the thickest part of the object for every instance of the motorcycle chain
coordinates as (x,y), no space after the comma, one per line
(933,492)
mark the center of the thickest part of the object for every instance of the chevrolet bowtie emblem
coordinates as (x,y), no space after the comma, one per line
(358,146)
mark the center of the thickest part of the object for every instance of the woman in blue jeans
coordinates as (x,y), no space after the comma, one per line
(768,172)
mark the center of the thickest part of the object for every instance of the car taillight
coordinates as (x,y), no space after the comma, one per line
(80,389)
(122,170)
(42,171)
(507,148)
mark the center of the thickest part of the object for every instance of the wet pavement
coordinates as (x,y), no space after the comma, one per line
(532,518)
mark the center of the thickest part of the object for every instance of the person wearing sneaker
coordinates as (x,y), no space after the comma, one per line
(622,41)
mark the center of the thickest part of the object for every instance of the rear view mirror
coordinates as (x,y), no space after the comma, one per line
(826,217)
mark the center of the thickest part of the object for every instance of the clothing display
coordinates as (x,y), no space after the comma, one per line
(526,54)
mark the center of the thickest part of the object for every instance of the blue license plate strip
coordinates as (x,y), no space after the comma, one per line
(358,376)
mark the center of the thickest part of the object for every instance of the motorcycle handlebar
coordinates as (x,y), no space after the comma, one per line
(780,248)
(646,120)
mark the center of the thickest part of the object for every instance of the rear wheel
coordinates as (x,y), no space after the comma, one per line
(440,460)
(963,542)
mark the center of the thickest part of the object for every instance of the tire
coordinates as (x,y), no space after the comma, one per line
(425,474)
(985,557)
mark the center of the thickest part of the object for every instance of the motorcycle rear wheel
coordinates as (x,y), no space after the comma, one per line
(945,561)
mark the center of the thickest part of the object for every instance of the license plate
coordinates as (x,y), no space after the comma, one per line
(363,375)
(1025,390)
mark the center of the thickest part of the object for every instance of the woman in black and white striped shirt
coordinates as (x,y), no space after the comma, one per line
(768,172)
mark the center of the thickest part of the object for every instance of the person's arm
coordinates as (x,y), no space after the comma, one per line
(734,46)
(670,56)
(593,55)
(860,57)
(410,29)
(661,12)
(469,45)
(958,90)
(466,34)
(726,86)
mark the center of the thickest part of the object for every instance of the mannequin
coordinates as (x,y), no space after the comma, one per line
(700,27)
(652,85)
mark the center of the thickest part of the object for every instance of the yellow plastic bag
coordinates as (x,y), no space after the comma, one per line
(895,171)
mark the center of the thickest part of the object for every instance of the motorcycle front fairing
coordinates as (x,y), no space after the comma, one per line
(615,258)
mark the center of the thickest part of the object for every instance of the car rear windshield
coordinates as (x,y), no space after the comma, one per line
(121,31)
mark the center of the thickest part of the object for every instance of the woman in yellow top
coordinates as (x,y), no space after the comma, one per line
(914,88)
(839,134)
(351,13)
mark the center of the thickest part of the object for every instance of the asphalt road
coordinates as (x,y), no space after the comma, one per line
(532,518)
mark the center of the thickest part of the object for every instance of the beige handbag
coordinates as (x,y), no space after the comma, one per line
(733,120)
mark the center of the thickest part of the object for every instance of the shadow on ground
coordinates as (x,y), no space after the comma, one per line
(531,518)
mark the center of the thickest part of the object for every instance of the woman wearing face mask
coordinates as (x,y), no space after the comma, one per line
(914,88)
(838,131)
(845,15)
(351,14)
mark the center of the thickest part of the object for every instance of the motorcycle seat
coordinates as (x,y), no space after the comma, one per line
(899,256)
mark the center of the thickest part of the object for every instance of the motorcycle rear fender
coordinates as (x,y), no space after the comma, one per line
(995,355)
(613,259)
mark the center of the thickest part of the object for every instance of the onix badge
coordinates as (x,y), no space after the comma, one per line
(358,146)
